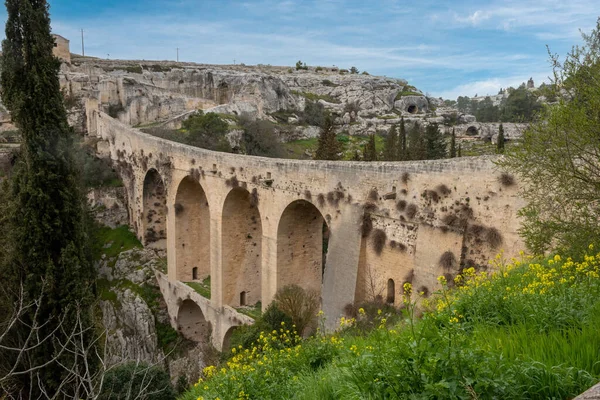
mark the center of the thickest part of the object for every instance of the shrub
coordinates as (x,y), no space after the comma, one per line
(136,380)
(493,237)
(411,210)
(378,239)
(314,113)
(443,189)
(506,179)
(401,205)
(373,195)
(260,139)
(447,260)
(366,225)
(299,304)
(269,320)
(405,177)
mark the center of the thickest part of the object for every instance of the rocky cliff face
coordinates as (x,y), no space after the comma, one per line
(136,321)
(141,93)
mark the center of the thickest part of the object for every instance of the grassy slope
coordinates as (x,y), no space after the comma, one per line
(528,331)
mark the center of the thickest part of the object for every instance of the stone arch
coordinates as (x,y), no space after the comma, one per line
(472,131)
(227,338)
(192,230)
(191,322)
(241,248)
(302,236)
(154,218)
(391,292)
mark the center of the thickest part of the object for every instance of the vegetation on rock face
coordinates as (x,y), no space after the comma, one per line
(45,227)
(525,331)
(558,159)
(137,379)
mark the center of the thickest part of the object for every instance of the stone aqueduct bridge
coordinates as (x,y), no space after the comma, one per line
(350,230)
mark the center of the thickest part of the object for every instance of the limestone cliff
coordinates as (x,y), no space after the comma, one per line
(143,92)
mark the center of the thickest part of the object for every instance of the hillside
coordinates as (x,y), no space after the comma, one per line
(525,331)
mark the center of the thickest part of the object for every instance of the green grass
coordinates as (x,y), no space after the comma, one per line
(350,143)
(253,312)
(202,288)
(529,331)
(477,147)
(112,242)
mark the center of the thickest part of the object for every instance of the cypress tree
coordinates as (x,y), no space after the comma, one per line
(328,146)
(459,152)
(500,140)
(371,149)
(436,144)
(402,150)
(453,144)
(391,151)
(416,144)
(49,250)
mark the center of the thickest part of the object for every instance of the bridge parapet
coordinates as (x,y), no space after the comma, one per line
(354,231)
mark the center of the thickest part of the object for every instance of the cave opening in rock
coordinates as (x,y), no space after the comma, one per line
(412,109)
(472,131)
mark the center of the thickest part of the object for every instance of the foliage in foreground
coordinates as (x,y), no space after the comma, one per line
(526,331)
(48,252)
(557,162)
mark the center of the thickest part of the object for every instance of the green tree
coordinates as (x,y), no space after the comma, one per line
(417,149)
(207,131)
(463,103)
(557,163)
(453,144)
(500,140)
(459,151)
(370,150)
(391,149)
(259,139)
(48,238)
(402,148)
(486,111)
(521,105)
(354,70)
(435,142)
(328,146)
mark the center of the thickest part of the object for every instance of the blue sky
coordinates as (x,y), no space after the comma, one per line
(445,48)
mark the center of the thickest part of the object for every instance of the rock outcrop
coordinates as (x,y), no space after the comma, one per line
(136,320)
(143,93)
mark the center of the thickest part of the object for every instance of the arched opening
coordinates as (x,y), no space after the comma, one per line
(243,299)
(191,322)
(155,211)
(227,339)
(192,230)
(391,292)
(412,109)
(242,249)
(302,236)
(472,131)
